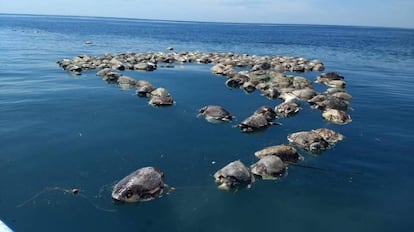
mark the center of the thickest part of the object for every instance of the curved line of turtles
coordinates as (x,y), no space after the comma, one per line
(242,71)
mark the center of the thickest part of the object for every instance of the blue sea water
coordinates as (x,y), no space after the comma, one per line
(64,131)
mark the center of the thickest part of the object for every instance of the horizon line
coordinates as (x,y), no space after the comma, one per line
(189,21)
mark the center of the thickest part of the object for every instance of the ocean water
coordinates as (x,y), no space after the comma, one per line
(59,131)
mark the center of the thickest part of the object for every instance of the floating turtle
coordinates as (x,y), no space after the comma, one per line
(215,114)
(236,81)
(160,97)
(334,90)
(326,77)
(323,102)
(248,86)
(126,82)
(161,100)
(309,141)
(233,176)
(160,92)
(266,111)
(335,83)
(304,94)
(342,95)
(328,135)
(269,167)
(255,122)
(144,88)
(143,184)
(336,116)
(287,109)
(270,93)
(143,91)
(284,152)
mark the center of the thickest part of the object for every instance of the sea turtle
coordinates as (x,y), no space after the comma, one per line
(249,86)
(144,88)
(304,94)
(266,111)
(309,141)
(284,152)
(213,113)
(328,135)
(270,93)
(336,116)
(342,95)
(236,81)
(143,91)
(328,102)
(160,92)
(160,100)
(326,77)
(143,184)
(336,83)
(255,122)
(160,97)
(333,90)
(287,109)
(233,176)
(269,167)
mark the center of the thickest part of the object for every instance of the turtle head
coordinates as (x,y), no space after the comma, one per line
(125,192)
(202,110)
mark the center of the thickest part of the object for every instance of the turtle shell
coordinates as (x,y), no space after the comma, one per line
(233,176)
(287,109)
(254,122)
(161,100)
(213,112)
(329,135)
(309,141)
(284,152)
(269,167)
(266,111)
(336,116)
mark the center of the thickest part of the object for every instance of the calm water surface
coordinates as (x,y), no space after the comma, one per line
(57,130)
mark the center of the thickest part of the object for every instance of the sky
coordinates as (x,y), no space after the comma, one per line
(384,13)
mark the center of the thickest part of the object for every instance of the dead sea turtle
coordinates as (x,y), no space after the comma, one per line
(255,122)
(284,152)
(160,97)
(266,111)
(143,91)
(309,141)
(269,167)
(233,176)
(144,88)
(322,102)
(143,184)
(328,135)
(214,114)
(161,100)
(336,116)
(160,92)
(287,109)
(331,79)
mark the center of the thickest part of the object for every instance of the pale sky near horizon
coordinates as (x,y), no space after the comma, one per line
(386,13)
